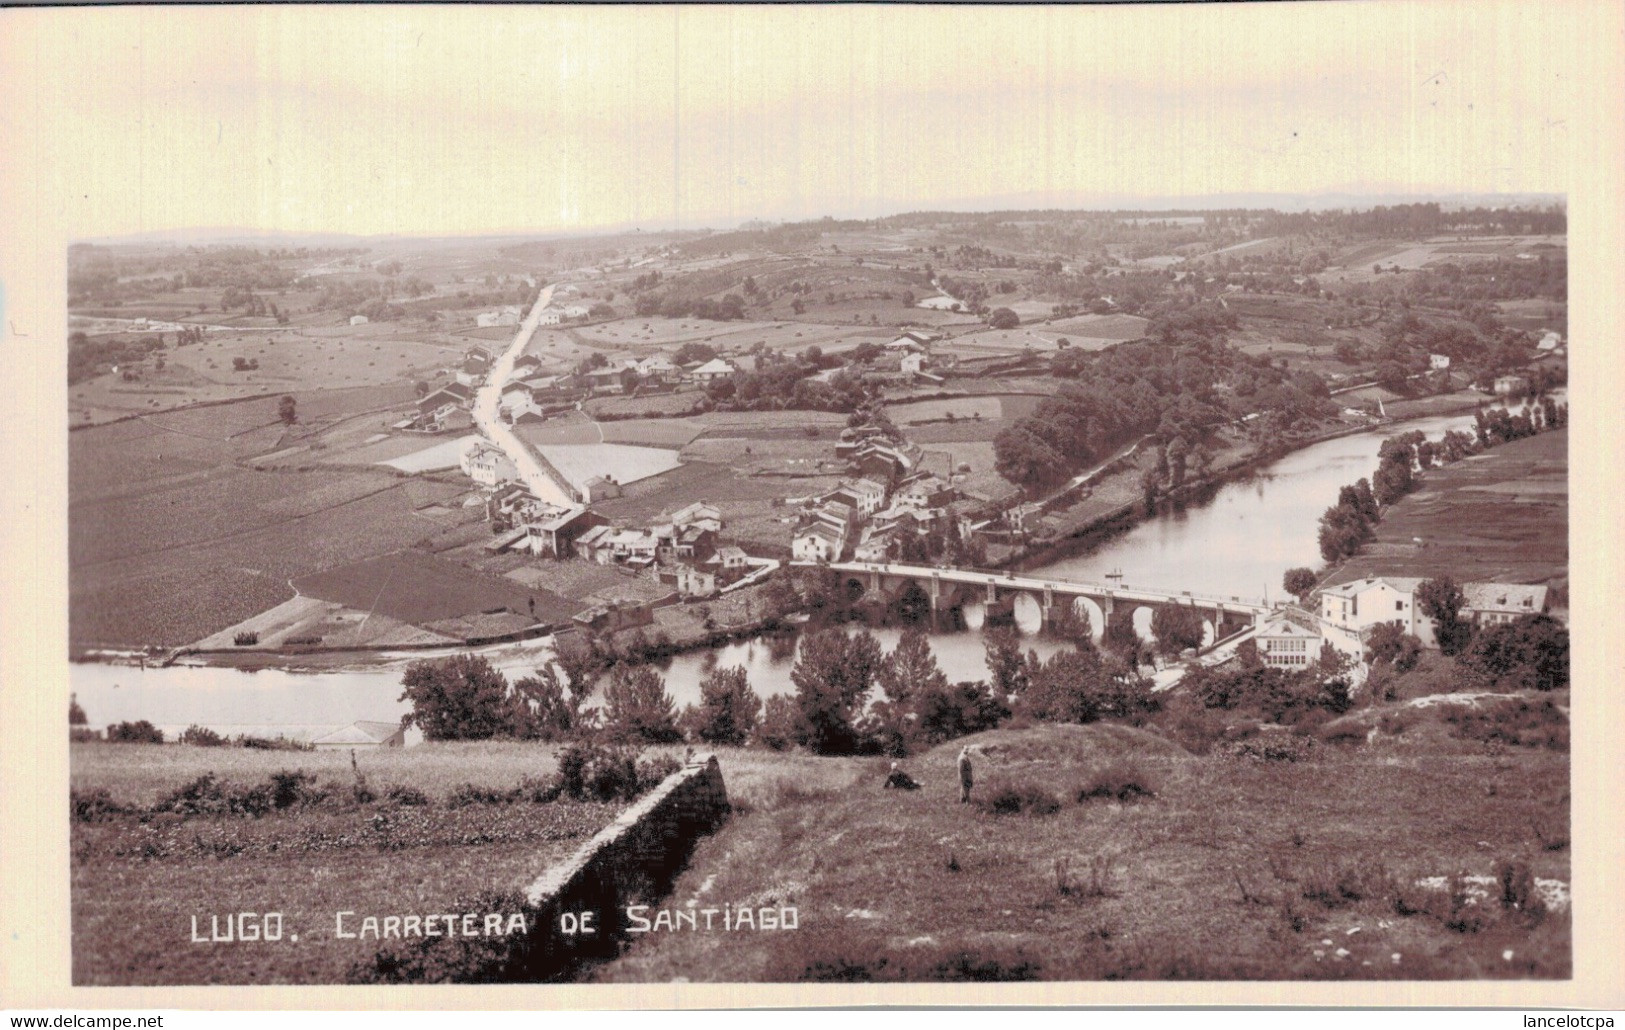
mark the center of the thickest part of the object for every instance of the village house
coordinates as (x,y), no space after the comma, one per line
(875,544)
(658,368)
(1490,603)
(576,311)
(1286,644)
(1505,385)
(694,582)
(917,339)
(1551,342)
(864,495)
(924,491)
(880,461)
(549,316)
(914,363)
(363,734)
(730,558)
(714,369)
(699,513)
(589,546)
(486,464)
(502,317)
(817,541)
(452,395)
(473,370)
(1349,610)
(599,488)
(824,532)
(556,537)
(1438,362)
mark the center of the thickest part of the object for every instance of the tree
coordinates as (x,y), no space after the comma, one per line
(638,707)
(946,712)
(1388,642)
(286,410)
(1299,582)
(1529,653)
(544,705)
(694,351)
(1002,647)
(910,669)
(458,698)
(1442,601)
(729,709)
(832,676)
(76,715)
(1176,627)
(1003,318)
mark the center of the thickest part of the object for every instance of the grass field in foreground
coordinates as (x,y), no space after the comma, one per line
(1235,869)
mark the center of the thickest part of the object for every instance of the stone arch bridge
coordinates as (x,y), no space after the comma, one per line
(967,597)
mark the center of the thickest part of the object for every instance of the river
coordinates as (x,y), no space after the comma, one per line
(1238,542)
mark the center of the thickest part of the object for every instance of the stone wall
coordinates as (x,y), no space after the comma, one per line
(576,911)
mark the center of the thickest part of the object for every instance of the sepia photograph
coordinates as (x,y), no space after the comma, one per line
(817,495)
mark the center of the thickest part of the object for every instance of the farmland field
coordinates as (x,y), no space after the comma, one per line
(441,454)
(422,589)
(578,463)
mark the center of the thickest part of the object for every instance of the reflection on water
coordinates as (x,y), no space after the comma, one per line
(1238,543)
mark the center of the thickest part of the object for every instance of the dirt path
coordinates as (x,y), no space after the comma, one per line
(485,413)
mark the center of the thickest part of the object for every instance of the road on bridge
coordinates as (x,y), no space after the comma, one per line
(1035,584)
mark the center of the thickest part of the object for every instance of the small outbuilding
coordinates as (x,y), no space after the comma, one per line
(363,733)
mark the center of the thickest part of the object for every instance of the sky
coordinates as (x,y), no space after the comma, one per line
(431,119)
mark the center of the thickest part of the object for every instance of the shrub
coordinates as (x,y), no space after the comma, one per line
(539,791)
(594,772)
(1515,721)
(1123,780)
(94,806)
(294,788)
(142,732)
(270,744)
(1273,748)
(208,795)
(246,639)
(653,772)
(1019,797)
(409,796)
(83,735)
(476,794)
(201,736)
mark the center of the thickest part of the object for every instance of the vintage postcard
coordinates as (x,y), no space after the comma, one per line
(875,504)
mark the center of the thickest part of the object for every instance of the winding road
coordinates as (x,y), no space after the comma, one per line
(489,397)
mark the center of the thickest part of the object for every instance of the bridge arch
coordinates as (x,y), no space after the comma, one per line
(1029,613)
(1086,607)
(1210,632)
(1142,623)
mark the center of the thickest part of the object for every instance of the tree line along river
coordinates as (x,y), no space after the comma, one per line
(1239,542)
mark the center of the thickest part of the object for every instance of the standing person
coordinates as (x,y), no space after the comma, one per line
(966,775)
